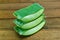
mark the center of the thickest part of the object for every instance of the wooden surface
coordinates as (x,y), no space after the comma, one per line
(51,30)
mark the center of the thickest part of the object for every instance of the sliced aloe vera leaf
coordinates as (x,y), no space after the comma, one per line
(30,31)
(29,13)
(32,16)
(30,24)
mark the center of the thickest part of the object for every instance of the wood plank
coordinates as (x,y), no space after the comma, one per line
(6,14)
(27,1)
(8,35)
(52,12)
(10,1)
(13,5)
(41,35)
(52,23)
(48,13)
(50,0)
(50,5)
(7,23)
(18,1)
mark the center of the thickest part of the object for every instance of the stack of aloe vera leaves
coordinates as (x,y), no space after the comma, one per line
(29,20)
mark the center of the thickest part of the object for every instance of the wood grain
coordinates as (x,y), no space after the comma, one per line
(51,31)
(8,35)
(6,14)
(26,1)
(52,13)
(6,23)
(41,35)
(11,6)
(52,23)
(18,1)
(47,12)
(50,0)
(49,5)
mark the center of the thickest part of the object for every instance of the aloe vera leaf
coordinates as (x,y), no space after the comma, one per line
(30,24)
(33,23)
(33,11)
(32,16)
(30,31)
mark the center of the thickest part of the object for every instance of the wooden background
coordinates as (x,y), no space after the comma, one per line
(51,30)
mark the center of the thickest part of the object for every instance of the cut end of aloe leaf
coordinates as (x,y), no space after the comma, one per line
(33,23)
(30,31)
(29,24)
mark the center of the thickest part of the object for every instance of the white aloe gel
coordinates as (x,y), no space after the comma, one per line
(30,31)
(30,24)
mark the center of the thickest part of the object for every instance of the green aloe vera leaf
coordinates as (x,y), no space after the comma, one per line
(30,24)
(30,31)
(32,17)
(29,13)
